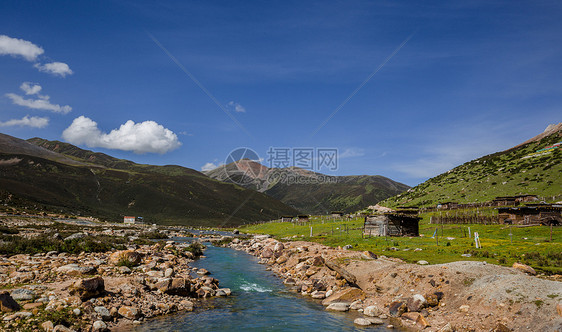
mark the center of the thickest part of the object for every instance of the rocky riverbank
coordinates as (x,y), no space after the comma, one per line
(460,296)
(100,291)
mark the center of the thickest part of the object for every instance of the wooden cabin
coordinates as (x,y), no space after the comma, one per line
(514,200)
(391,224)
(302,218)
(531,214)
(337,214)
(286,218)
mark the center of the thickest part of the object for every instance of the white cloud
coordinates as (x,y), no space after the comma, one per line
(30,88)
(55,68)
(19,47)
(236,107)
(142,137)
(41,103)
(208,167)
(352,152)
(34,122)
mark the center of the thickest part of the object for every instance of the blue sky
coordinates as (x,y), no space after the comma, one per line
(120,77)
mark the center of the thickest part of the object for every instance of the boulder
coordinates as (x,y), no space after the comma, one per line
(47,326)
(368,255)
(7,303)
(350,278)
(163,284)
(179,286)
(128,312)
(372,311)
(103,313)
(76,270)
(22,294)
(362,322)
(416,318)
(524,268)
(347,295)
(375,321)
(86,289)
(338,306)
(125,257)
(267,253)
(416,303)
(99,326)
(223,292)
(397,308)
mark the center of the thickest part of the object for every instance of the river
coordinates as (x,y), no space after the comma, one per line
(259,302)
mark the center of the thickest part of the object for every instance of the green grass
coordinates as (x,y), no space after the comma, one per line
(504,173)
(530,245)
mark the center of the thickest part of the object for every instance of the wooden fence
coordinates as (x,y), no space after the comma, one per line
(470,219)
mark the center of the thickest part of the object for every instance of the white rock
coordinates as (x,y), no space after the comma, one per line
(362,321)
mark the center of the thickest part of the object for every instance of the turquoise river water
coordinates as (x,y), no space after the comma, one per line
(259,302)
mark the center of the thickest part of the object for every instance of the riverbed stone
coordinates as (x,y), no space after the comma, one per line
(347,295)
(76,270)
(372,311)
(397,308)
(416,302)
(129,256)
(129,312)
(524,268)
(103,313)
(338,306)
(99,326)
(22,294)
(86,289)
(362,322)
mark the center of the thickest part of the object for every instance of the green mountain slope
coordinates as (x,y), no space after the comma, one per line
(78,181)
(307,191)
(519,170)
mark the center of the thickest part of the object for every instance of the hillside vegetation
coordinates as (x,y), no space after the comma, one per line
(310,192)
(520,170)
(74,181)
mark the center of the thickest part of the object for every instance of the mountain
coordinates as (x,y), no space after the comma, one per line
(532,167)
(59,177)
(307,191)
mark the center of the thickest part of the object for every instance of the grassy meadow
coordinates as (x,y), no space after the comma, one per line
(529,245)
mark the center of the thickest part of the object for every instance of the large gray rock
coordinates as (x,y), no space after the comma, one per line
(362,322)
(75,269)
(22,294)
(372,311)
(338,306)
(103,312)
(99,326)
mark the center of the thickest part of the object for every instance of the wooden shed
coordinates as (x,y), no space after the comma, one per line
(303,218)
(391,224)
(337,214)
(514,200)
(286,218)
(531,214)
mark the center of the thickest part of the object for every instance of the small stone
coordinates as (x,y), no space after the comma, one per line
(500,328)
(124,270)
(416,302)
(464,308)
(131,313)
(187,305)
(524,268)
(356,305)
(47,326)
(362,322)
(559,308)
(103,312)
(169,272)
(76,312)
(423,262)
(372,311)
(88,288)
(397,308)
(99,326)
